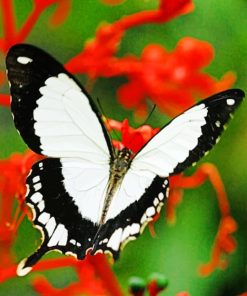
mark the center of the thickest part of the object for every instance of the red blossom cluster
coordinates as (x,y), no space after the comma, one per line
(13,172)
(172,80)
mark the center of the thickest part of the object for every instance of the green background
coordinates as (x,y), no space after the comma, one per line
(178,250)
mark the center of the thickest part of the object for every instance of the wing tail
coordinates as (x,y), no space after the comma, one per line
(26,265)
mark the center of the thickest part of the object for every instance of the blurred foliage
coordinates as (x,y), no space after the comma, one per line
(178,250)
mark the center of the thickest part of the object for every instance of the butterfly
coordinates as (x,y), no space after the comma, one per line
(86,197)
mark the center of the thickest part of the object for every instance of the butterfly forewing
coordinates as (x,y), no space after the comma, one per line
(53,114)
(189,136)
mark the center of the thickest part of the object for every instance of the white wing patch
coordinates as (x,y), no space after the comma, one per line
(132,188)
(172,144)
(86,183)
(65,123)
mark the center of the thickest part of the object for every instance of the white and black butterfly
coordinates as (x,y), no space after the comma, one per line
(86,196)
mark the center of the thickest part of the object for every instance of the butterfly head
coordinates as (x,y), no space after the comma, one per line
(125,153)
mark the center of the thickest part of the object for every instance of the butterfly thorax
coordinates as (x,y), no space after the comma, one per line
(121,163)
(119,168)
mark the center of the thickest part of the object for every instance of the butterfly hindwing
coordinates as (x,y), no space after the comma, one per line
(57,214)
(131,221)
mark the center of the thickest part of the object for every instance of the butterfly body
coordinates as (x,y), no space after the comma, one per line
(118,169)
(84,196)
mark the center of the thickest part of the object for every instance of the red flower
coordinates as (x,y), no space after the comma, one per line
(94,278)
(13,173)
(96,60)
(131,138)
(172,80)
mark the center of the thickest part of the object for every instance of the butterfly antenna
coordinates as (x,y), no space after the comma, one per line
(150,114)
(144,122)
(105,120)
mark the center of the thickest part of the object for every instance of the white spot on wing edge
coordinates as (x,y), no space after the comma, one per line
(126,233)
(37,186)
(156,201)
(115,239)
(23,271)
(41,206)
(150,211)
(134,228)
(36,179)
(217,123)
(72,241)
(230,102)
(36,197)
(24,60)
(50,226)
(44,218)
(161,196)
(63,240)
